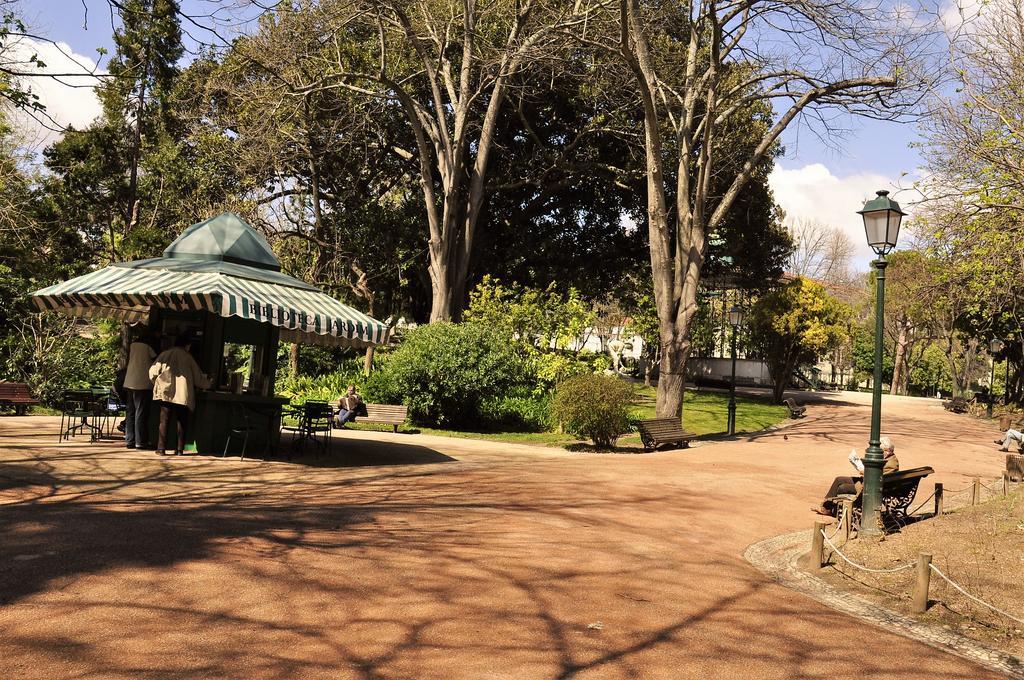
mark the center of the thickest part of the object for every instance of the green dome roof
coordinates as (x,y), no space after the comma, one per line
(226,237)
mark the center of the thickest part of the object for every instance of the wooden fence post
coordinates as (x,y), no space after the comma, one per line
(976,491)
(921,583)
(1006,483)
(847,518)
(938,499)
(818,545)
(1015,466)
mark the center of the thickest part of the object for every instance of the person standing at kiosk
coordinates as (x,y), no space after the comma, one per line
(176,375)
(138,388)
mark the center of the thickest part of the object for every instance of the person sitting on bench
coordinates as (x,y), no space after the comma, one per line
(1011,436)
(350,406)
(849,485)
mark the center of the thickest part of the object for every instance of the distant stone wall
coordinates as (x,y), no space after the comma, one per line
(748,371)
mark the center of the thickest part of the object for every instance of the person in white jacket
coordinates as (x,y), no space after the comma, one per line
(138,388)
(176,375)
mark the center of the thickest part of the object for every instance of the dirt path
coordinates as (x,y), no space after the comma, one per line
(410,556)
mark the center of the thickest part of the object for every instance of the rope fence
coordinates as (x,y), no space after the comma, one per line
(862,567)
(955,585)
(919,596)
(977,492)
(923,503)
(839,525)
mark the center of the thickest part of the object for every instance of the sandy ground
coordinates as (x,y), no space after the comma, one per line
(412,556)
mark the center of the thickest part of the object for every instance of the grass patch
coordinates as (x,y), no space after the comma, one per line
(703,413)
(707,412)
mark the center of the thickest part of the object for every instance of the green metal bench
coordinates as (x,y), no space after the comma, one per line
(898,492)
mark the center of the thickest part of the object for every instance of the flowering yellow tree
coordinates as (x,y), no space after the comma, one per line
(796,323)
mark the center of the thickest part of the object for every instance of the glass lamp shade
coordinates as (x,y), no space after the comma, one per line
(882,218)
(996,345)
(736,315)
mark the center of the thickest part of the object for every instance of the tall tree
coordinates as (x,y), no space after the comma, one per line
(99,175)
(908,319)
(447,66)
(143,68)
(972,216)
(324,171)
(696,66)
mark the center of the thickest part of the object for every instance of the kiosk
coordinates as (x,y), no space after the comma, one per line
(220,282)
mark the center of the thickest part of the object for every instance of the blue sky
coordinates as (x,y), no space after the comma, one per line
(814,180)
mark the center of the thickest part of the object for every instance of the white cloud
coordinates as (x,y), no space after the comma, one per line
(813,192)
(957,16)
(69,99)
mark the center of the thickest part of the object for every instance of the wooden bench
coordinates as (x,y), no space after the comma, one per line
(795,410)
(898,491)
(385,414)
(957,405)
(659,431)
(16,395)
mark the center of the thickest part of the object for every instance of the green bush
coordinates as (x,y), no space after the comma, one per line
(324,387)
(594,406)
(446,372)
(519,412)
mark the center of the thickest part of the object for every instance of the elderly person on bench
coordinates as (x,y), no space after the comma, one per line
(851,485)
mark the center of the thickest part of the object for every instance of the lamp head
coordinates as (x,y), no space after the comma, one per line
(736,316)
(882,217)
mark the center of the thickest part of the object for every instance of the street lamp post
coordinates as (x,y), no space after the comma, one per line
(882,217)
(736,315)
(994,347)
(1006,379)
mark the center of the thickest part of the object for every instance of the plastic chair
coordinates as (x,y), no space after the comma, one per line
(77,407)
(319,415)
(314,417)
(241,425)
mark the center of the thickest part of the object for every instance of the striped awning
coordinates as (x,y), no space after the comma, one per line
(126,293)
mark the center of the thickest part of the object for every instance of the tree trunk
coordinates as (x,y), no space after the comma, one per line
(779,389)
(293,359)
(131,214)
(671,380)
(368,361)
(442,306)
(781,377)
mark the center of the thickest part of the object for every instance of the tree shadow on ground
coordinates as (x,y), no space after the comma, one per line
(344,452)
(552,568)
